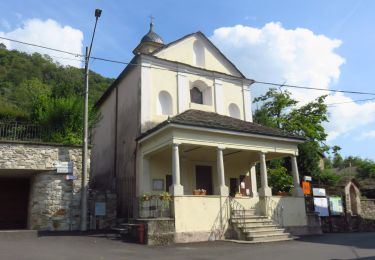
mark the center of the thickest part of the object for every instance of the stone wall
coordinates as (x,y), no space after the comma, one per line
(365,222)
(54,201)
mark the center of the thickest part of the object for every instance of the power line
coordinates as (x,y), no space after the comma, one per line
(43,47)
(174,69)
(311,88)
(353,101)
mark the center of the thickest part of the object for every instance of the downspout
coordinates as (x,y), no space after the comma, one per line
(114,178)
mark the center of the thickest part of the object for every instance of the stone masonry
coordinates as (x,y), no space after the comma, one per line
(54,202)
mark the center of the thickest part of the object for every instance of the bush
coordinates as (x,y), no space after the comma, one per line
(280,180)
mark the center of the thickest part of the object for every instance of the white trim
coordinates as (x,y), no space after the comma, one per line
(218,96)
(146,93)
(248,116)
(171,125)
(183,95)
(188,69)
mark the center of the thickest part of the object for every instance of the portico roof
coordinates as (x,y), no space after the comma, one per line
(211,120)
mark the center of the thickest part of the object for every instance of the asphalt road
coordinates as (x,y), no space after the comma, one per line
(328,246)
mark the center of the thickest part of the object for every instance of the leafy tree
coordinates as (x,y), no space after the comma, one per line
(279,179)
(35,89)
(278,109)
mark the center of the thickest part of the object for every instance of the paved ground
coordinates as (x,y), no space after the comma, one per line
(329,246)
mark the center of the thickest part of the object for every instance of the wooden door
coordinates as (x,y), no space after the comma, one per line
(203,178)
(233,186)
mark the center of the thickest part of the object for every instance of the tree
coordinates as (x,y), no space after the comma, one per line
(279,110)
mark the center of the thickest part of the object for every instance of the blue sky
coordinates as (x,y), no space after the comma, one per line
(123,23)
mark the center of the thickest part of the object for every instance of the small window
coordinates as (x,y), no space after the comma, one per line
(234,111)
(196,96)
(164,104)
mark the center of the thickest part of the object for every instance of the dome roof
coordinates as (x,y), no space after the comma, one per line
(151,36)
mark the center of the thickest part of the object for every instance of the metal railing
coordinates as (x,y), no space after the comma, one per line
(237,211)
(17,131)
(154,207)
(274,210)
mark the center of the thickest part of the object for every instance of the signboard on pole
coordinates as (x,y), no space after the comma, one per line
(100,208)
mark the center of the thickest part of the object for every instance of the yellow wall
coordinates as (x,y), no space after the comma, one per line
(184,52)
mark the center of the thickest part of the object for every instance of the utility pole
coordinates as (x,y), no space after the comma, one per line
(84,189)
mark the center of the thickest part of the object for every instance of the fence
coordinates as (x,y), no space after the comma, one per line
(154,207)
(16,131)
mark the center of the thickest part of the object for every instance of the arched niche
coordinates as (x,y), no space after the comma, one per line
(234,111)
(165,106)
(199,55)
(200,93)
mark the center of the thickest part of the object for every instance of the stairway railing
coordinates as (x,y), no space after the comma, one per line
(237,207)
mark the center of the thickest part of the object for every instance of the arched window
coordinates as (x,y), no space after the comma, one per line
(199,58)
(164,103)
(234,111)
(196,96)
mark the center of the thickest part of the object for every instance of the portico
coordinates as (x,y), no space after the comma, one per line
(178,151)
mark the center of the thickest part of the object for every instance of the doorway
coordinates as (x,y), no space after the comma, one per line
(14,200)
(203,178)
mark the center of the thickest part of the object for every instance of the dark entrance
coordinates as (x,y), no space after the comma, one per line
(233,186)
(14,199)
(203,178)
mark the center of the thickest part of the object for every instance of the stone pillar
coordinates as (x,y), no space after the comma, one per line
(223,190)
(253,179)
(264,191)
(176,189)
(298,192)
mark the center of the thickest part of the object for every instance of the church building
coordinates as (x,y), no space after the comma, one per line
(178,119)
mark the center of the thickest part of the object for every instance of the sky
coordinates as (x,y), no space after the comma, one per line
(323,44)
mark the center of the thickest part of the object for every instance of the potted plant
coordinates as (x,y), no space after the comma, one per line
(165,199)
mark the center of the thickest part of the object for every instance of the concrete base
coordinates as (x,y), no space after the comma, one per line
(223,191)
(188,237)
(298,192)
(304,230)
(265,192)
(176,190)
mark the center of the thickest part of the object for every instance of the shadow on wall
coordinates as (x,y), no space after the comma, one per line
(220,227)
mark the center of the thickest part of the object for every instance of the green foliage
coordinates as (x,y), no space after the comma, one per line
(366,169)
(279,179)
(278,109)
(34,89)
(326,177)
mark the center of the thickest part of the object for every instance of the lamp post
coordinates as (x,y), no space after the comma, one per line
(98,12)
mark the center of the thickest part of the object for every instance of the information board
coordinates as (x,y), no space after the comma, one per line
(335,206)
(321,206)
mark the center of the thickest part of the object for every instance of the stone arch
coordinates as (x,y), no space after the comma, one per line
(199,55)
(234,111)
(165,106)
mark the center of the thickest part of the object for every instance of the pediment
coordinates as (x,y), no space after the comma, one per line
(198,51)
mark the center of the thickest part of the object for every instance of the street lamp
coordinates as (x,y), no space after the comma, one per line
(98,12)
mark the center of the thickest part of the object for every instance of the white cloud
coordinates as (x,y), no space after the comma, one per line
(47,33)
(297,56)
(367,135)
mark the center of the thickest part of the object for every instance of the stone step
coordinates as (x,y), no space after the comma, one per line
(249,217)
(252,220)
(246,211)
(265,231)
(258,227)
(268,237)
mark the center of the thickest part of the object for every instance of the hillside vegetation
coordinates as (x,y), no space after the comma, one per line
(36,90)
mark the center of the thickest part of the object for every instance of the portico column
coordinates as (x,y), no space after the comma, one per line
(264,191)
(176,189)
(298,192)
(223,190)
(253,179)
